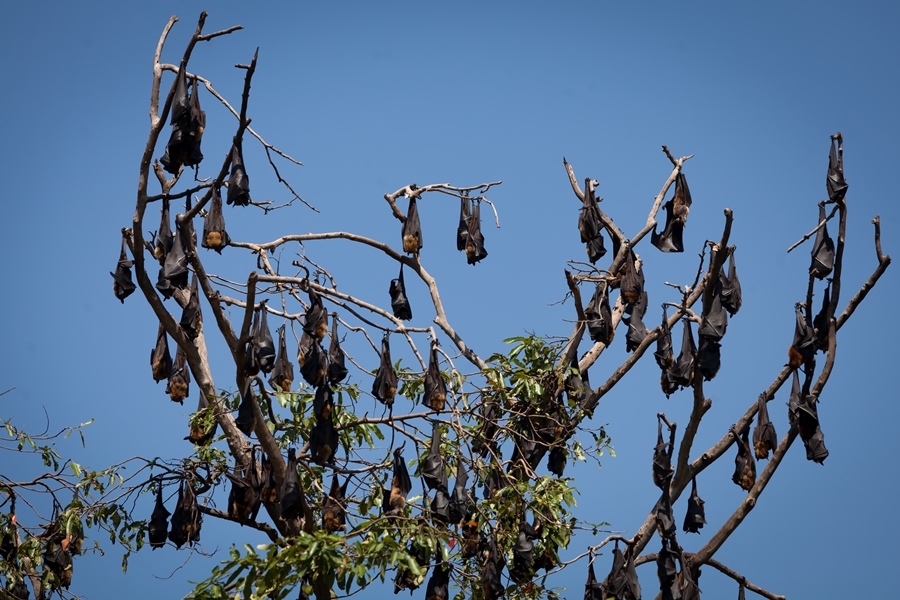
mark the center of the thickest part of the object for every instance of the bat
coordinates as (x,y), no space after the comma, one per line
(523,553)
(433,470)
(214,235)
(821,323)
(592,589)
(291,494)
(179,382)
(744,465)
(614,584)
(56,560)
(244,497)
(440,506)
(333,511)
(465,216)
(186,520)
(471,538)
(802,411)
(188,123)
(491,587)
(688,584)
(709,358)
(637,331)
(160,359)
(123,286)
(632,585)
(260,353)
(494,482)
(822,250)
(384,387)
(803,348)
(589,225)
(412,230)
(246,419)
(194,156)
(459,499)
(164,238)
(662,459)
(577,385)
(667,573)
(238,182)
(18,590)
(665,520)
(191,317)
(764,438)
(556,462)
(474,240)
(313,365)
(677,209)
(682,371)
(438,585)
(435,387)
(158,527)
(399,301)
(715,321)
(837,187)
(198,433)
(664,357)
(174,273)
(315,322)
(336,369)
(730,292)
(323,402)
(400,486)
(268,488)
(598,315)
(283,373)
(405,579)
(632,284)
(488,428)
(323,440)
(695,517)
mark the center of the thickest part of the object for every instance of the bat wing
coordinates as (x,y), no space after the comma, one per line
(682,371)
(731,287)
(399,301)
(822,250)
(123,286)
(435,387)
(384,387)
(695,518)
(465,217)
(265,346)
(337,370)
(246,419)
(157,528)
(837,187)
(238,182)
(434,472)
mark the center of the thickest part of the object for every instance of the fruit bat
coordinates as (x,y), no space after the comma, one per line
(174,273)
(412,230)
(435,387)
(406,579)
(246,419)
(547,554)
(667,573)
(662,458)
(556,462)
(440,506)
(164,238)
(336,369)
(764,438)
(323,402)
(637,331)
(474,240)
(17,590)
(592,588)
(238,182)
(399,301)
(313,365)
(677,209)
(744,465)
(465,216)
(689,589)
(268,488)
(244,497)
(577,385)
(191,317)
(123,286)
(589,225)
(433,470)
(400,487)
(315,322)
(199,435)
(632,284)
(614,584)
(438,585)
(803,413)
(488,429)
(821,323)
(715,321)
(709,358)
(632,585)
(459,499)
(522,553)
(333,511)
(822,250)
(384,387)
(665,520)
(188,123)
(695,518)
(471,538)
(664,357)
(158,526)
(283,373)
(179,382)
(323,440)
(265,346)
(57,560)
(837,187)
(9,549)
(682,371)
(730,293)
(598,315)
(186,520)
(160,359)
(803,348)
(214,235)
(494,482)
(291,494)
(491,588)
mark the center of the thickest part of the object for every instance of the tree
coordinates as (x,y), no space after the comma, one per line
(532,394)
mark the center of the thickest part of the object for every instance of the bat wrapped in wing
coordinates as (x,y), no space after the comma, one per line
(158,526)
(292,500)
(682,371)
(835,183)
(695,517)
(523,559)
(677,209)
(764,438)
(435,387)
(412,229)
(664,356)
(589,225)
(730,291)
(632,285)
(491,587)
(244,497)
(438,585)
(160,359)
(323,440)
(246,418)
(400,487)
(337,370)
(465,217)
(822,250)
(186,520)
(238,182)
(333,511)
(164,237)
(662,459)
(283,373)
(315,322)
(123,286)
(637,331)
(744,465)
(667,572)
(191,316)
(803,347)
(179,382)
(384,388)
(821,323)
(399,301)
(214,235)
(474,239)
(313,365)
(459,499)
(433,469)
(665,519)
(598,315)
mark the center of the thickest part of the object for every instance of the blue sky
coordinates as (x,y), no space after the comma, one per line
(373,97)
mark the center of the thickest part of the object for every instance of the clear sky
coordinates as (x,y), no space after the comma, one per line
(372,97)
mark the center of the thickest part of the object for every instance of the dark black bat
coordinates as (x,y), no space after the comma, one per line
(491,587)
(435,387)
(664,356)
(731,286)
(715,321)
(399,301)
(191,317)
(333,511)
(188,123)
(244,497)
(523,558)
(313,364)
(488,428)
(632,585)
(268,488)
(474,240)
(323,440)
(283,373)
(803,348)
(632,284)
(384,387)
(822,250)
(471,538)
(598,315)
(589,225)
(56,560)
(265,345)
(459,499)
(406,579)
(194,156)
(614,584)
(666,571)
(821,323)
(123,286)
(174,272)
(662,458)
(689,588)
(695,517)
(323,402)
(186,520)
(802,411)
(592,588)
(238,182)
(665,519)
(556,462)
(158,526)
(199,434)
(637,331)
(400,487)
(764,438)
(160,359)
(164,238)
(440,506)
(246,419)
(744,465)
(438,585)
(179,382)
(682,371)
(412,229)
(677,209)
(494,482)
(315,322)
(709,358)
(577,386)
(214,235)
(465,216)
(433,469)
(837,187)
(18,590)
(291,493)
(337,370)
